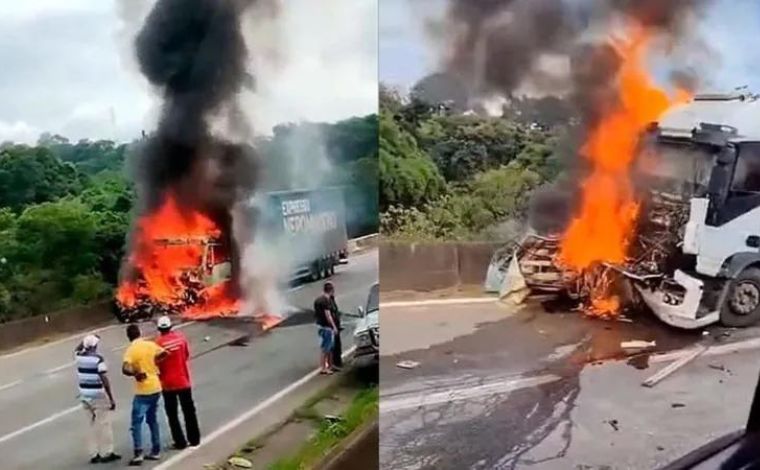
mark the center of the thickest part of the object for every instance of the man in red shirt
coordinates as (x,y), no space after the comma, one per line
(175,382)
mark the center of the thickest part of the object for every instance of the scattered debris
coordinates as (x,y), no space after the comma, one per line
(705,333)
(624,319)
(206,339)
(614,423)
(677,405)
(660,448)
(721,368)
(637,344)
(240,462)
(639,361)
(674,366)
(332,418)
(408,364)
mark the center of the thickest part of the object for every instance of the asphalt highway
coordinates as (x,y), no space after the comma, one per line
(43,426)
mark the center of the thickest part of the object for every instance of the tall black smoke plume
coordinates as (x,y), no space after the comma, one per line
(194,54)
(495,46)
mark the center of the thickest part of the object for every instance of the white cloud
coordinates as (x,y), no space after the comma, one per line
(19,132)
(66,67)
(326,68)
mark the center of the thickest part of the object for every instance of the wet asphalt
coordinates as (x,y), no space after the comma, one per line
(544,387)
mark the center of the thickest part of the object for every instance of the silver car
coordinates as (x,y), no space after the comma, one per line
(367,331)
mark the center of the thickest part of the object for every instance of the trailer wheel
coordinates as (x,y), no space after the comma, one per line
(331,266)
(742,304)
(315,271)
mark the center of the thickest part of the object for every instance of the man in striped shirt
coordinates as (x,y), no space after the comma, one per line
(97,399)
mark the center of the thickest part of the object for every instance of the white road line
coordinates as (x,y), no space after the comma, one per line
(42,422)
(59,368)
(429,398)
(58,341)
(218,432)
(422,303)
(718,350)
(110,327)
(9,385)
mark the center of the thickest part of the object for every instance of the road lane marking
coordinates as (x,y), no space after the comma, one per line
(39,423)
(454,301)
(9,385)
(119,325)
(124,346)
(59,368)
(423,398)
(243,417)
(719,350)
(58,341)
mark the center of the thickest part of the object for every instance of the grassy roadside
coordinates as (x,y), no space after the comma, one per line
(321,424)
(363,409)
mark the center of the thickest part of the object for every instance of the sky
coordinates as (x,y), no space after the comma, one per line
(68,68)
(731,29)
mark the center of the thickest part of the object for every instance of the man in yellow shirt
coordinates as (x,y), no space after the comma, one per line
(140,362)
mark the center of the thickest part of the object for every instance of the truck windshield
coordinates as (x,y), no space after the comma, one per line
(675,165)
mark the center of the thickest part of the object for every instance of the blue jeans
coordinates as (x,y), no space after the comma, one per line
(326,339)
(145,408)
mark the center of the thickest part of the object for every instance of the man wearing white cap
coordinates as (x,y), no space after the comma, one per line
(97,399)
(176,385)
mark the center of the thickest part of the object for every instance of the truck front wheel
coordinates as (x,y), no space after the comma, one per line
(315,271)
(742,304)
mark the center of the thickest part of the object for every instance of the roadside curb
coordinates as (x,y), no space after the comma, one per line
(334,459)
(262,418)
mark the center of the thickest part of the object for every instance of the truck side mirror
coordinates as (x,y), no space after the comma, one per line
(361,311)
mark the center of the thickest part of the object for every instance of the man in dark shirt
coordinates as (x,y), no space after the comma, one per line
(337,351)
(326,328)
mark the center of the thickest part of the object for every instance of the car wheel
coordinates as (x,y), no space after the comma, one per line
(742,304)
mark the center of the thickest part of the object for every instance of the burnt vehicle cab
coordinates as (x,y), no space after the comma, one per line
(702,209)
(695,255)
(215,267)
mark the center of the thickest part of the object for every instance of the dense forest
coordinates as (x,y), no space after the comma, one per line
(454,175)
(65,207)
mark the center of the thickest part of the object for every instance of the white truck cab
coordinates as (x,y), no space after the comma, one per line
(719,277)
(695,256)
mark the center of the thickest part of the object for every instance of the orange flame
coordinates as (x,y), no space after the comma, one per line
(167,254)
(604,227)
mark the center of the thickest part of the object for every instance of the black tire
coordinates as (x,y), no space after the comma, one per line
(331,267)
(315,271)
(742,304)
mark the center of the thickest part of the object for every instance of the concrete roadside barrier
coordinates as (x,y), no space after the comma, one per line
(431,266)
(18,332)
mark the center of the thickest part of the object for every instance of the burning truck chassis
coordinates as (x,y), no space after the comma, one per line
(693,257)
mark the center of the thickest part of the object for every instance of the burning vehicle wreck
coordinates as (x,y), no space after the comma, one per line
(693,251)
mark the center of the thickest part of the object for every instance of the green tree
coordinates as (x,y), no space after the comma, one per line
(408,177)
(59,236)
(33,175)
